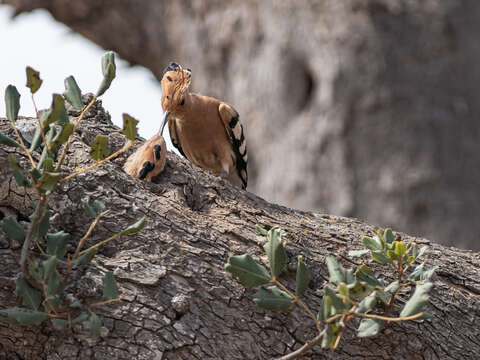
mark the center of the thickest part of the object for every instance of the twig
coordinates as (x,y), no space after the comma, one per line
(87,234)
(114,155)
(67,145)
(109,301)
(44,289)
(40,124)
(22,145)
(385,318)
(39,247)
(307,346)
(101,243)
(36,220)
(299,302)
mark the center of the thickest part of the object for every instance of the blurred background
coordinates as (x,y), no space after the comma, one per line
(362,108)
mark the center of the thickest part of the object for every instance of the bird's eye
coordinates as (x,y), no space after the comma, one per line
(167,97)
(183,102)
(169,78)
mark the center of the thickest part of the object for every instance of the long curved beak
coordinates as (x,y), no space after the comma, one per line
(164,121)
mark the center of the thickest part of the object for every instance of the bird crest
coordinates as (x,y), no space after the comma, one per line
(175,84)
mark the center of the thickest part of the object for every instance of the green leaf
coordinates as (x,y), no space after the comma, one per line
(35,270)
(73,93)
(57,244)
(392,255)
(367,304)
(129,127)
(59,324)
(324,310)
(52,303)
(36,174)
(49,266)
(392,288)
(48,164)
(12,102)
(107,59)
(372,243)
(379,257)
(357,253)
(388,236)
(80,318)
(336,271)
(22,316)
(33,80)
(329,338)
(88,209)
(31,298)
(249,273)
(62,138)
(54,285)
(364,273)
(370,327)
(110,288)
(422,251)
(5,140)
(85,258)
(132,229)
(337,303)
(303,277)
(50,135)
(94,324)
(76,304)
(343,290)
(422,273)
(13,229)
(400,248)
(41,230)
(63,119)
(275,252)
(100,148)
(37,136)
(17,171)
(273,299)
(349,276)
(99,206)
(415,250)
(261,230)
(358,290)
(417,301)
(109,72)
(49,180)
(55,111)
(383,296)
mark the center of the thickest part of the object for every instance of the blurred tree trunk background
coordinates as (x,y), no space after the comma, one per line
(359,108)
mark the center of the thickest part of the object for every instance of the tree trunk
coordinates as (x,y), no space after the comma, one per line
(195,221)
(355,107)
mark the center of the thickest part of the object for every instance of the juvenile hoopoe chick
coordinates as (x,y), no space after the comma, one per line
(149,159)
(205,130)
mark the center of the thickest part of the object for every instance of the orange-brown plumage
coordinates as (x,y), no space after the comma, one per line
(149,159)
(205,130)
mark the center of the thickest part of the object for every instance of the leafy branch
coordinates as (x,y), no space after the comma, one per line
(349,294)
(45,275)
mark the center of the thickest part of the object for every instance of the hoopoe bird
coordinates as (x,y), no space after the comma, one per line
(205,130)
(149,159)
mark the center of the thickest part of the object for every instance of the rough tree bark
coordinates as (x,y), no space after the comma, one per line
(364,108)
(195,221)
